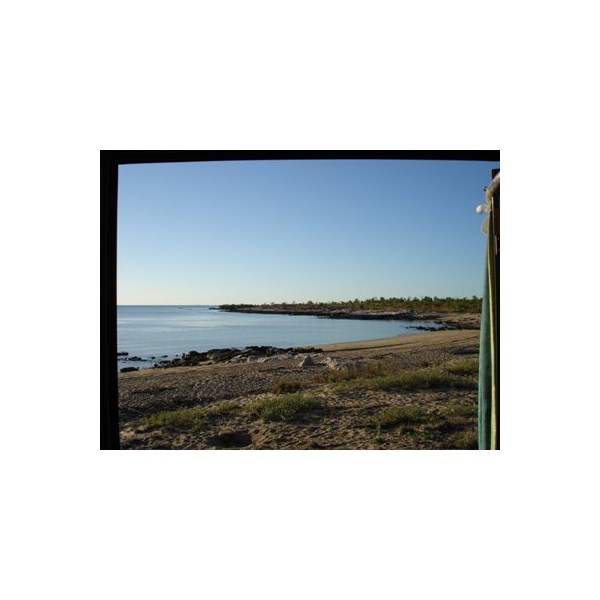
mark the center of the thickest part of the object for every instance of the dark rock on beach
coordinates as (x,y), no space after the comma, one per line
(129,369)
(221,354)
(193,358)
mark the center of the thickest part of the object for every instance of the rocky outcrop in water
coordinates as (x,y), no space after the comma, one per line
(135,359)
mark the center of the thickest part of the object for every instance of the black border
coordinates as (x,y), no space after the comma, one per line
(109,181)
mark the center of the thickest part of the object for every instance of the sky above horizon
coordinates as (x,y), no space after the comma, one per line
(293,231)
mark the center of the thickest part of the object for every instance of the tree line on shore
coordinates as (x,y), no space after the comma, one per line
(424,304)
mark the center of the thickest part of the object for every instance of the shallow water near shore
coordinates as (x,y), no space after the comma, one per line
(156,333)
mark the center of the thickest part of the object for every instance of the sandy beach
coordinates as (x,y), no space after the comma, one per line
(343,398)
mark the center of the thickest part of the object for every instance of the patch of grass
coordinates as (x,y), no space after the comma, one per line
(468,366)
(393,416)
(366,370)
(453,420)
(456,410)
(382,375)
(431,377)
(220,408)
(287,387)
(286,407)
(378,439)
(464,440)
(188,419)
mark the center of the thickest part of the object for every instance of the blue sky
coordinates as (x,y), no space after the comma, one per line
(283,231)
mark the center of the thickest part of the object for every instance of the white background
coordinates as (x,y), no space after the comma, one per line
(80,77)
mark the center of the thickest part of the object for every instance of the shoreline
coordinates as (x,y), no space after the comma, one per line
(446,322)
(449,320)
(266,353)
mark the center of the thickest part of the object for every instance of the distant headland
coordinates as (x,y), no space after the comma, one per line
(453,313)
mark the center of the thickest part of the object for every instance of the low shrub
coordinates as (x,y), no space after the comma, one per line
(394,416)
(469,366)
(431,377)
(456,410)
(286,407)
(464,440)
(286,387)
(189,419)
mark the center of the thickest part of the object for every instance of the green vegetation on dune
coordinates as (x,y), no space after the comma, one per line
(383,375)
(188,419)
(428,378)
(468,366)
(463,440)
(358,371)
(393,416)
(286,407)
(287,387)
(400,418)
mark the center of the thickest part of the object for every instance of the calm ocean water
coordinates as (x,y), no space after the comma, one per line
(167,331)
